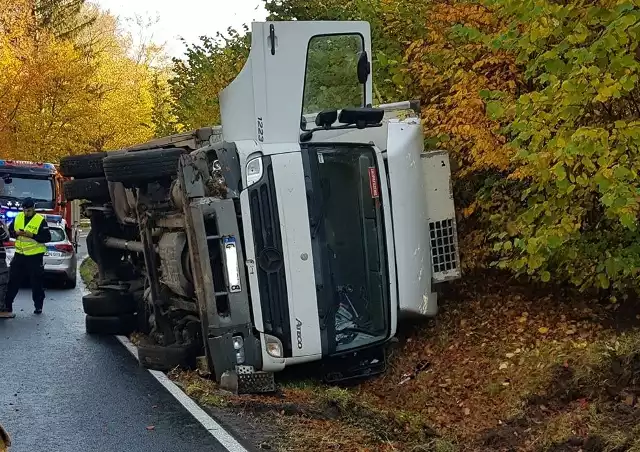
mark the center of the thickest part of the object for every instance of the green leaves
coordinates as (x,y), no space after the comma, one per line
(495,110)
(577,139)
(209,66)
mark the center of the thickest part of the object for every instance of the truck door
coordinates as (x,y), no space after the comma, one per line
(293,68)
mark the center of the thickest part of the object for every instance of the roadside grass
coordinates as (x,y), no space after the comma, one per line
(88,271)
(204,391)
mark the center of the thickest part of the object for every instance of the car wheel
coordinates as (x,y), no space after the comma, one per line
(71,283)
(80,166)
(108,303)
(141,167)
(92,189)
(161,358)
(118,325)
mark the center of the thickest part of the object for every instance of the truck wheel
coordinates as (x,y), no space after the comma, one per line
(80,166)
(105,304)
(121,325)
(156,357)
(92,189)
(140,167)
(90,248)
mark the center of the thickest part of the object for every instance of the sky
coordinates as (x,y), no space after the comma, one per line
(188,19)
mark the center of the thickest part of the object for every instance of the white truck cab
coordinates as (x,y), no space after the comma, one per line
(331,223)
(352,255)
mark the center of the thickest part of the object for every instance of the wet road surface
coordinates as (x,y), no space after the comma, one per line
(62,390)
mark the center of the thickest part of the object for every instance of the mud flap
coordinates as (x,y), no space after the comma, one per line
(360,364)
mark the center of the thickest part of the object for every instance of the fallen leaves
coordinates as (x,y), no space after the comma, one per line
(460,384)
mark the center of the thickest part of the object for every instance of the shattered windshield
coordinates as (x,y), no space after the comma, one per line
(347,231)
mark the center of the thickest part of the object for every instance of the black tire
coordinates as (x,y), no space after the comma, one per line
(80,166)
(92,189)
(71,283)
(140,167)
(90,248)
(156,357)
(121,325)
(107,304)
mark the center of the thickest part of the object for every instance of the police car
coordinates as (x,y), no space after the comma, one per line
(61,259)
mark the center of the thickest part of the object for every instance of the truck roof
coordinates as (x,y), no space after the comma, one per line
(27,168)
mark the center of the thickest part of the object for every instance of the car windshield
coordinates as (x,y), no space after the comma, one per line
(347,230)
(57,234)
(20,187)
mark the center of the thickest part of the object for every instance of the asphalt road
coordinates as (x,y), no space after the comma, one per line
(65,391)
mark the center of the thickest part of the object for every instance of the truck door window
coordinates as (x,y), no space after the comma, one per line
(331,79)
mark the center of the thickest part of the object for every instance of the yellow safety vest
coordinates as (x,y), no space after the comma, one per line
(25,245)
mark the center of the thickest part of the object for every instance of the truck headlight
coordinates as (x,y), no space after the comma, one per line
(274,346)
(238,346)
(238,342)
(254,171)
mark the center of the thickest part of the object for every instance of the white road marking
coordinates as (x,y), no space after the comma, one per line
(215,429)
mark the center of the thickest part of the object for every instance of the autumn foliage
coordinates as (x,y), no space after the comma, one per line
(69,84)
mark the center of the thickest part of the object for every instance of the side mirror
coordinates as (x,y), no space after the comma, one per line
(364,68)
(326,117)
(361,117)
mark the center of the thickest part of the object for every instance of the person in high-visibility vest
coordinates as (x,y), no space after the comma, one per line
(4,272)
(31,232)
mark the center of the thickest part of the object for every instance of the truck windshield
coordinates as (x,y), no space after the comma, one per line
(20,187)
(347,232)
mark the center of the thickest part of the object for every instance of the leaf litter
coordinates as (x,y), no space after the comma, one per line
(479,378)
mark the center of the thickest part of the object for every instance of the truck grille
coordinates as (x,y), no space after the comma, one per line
(270,258)
(444,250)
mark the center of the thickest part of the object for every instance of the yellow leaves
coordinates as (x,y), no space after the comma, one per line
(61,96)
(468,211)
(543,330)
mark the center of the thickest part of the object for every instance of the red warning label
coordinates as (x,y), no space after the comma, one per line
(373,183)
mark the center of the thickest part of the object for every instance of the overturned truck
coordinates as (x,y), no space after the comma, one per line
(300,230)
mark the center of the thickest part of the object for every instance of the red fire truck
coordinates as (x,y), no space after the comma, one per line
(43,182)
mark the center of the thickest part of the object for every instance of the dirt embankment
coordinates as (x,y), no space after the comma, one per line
(499,369)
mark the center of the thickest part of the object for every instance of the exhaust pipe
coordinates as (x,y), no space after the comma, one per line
(122,244)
